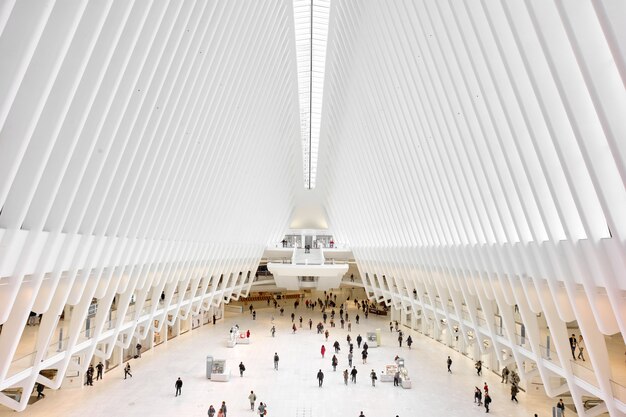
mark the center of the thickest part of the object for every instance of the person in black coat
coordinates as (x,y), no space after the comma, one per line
(320,377)
(353,373)
(179,385)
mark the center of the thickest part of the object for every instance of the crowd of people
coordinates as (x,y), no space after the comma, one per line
(330,310)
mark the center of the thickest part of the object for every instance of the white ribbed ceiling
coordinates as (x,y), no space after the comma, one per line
(474,150)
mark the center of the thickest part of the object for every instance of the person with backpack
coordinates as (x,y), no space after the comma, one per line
(487,402)
(505,375)
(211,411)
(374,377)
(241,369)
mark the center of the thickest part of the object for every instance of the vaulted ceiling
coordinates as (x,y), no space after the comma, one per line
(459,141)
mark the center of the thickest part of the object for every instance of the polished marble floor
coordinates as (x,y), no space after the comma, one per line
(292,391)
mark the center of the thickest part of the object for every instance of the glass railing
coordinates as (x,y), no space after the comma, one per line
(619,391)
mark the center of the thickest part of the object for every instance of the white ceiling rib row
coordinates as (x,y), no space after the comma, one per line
(467,145)
(144,146)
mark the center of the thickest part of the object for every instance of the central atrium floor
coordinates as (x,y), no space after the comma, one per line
(292,391)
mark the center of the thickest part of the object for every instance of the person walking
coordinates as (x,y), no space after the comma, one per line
(241,369)
(293,317)
(273,331)
(581,347)
(99,369)
(449,362)
(409,341)
(349,323)
(357,319)
(211,411)
(179,386)
(373,377)
(127,370)
(138,346)
(323,351)
(336,346)
(276,359)
(486,388)
(320,378)
(487,402)
(400,340)
(359,339)
(310,324)
(561,406)
(478,396)
(479,368)
(293,327)
(333,362)
(326,333)
(252,398)
(514,391)
(572,344)
(350,359)
(353,373)
(364,356)
(345,376)
(223,408)
(361,415)
(505,375)
(262,409)
(300,321)
(40,393)
(90,372)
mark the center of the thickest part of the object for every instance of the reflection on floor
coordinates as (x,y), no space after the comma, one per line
(293,388)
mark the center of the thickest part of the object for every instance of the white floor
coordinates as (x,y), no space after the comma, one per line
(291,391)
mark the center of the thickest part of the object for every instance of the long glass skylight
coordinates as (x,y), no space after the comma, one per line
(311,24)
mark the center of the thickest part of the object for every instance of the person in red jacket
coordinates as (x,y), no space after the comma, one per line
(323,350)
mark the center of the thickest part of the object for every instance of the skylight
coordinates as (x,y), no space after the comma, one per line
(311,24)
